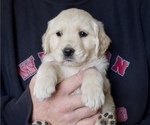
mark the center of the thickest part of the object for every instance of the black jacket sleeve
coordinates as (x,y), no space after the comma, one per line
(145,20)
(16,111)
(16,104)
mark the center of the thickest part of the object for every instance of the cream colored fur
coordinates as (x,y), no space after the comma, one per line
(89,54)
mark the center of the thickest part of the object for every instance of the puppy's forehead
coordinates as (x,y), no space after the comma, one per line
(73,15)
(75,12)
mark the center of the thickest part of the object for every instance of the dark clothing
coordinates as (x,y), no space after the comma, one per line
(127,23)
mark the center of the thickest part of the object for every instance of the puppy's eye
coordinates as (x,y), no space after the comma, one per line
(59,33)
(83,34)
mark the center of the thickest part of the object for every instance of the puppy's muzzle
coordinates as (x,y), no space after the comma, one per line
(68,53)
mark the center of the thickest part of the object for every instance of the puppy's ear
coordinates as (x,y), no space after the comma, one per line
(103,39)
(46,39)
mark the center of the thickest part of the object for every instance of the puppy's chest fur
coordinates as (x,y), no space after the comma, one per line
(68,71)
(65,71)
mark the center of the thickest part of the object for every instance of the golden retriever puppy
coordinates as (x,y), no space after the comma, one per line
(75,41)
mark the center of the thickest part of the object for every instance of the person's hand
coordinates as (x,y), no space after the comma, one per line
(63,108)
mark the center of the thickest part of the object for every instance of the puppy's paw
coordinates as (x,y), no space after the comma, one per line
(106,119)
(92,97)
(40,123)
(43,88)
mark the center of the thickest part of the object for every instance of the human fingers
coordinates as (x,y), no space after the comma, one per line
(70,84)
(89,121)
(84,112)
(77,115)
(74,103)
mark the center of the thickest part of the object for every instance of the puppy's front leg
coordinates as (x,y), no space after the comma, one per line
(92,89)
(46,80)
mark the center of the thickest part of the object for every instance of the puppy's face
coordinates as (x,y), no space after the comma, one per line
(75,37)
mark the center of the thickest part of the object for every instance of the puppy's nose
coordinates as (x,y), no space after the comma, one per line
(68,52)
